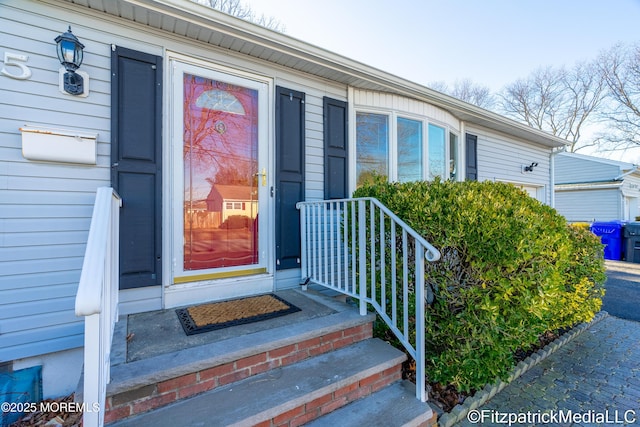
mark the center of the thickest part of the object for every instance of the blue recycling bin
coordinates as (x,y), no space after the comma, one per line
(610,234)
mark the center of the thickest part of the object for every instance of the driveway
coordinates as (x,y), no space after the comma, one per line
(593,380)
(622,298)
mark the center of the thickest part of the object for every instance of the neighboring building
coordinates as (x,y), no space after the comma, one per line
(594,189)
(175,93)
(233,200)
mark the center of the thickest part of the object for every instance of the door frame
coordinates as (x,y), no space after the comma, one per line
(194,287)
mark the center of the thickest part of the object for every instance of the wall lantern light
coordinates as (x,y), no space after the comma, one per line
(530,167)
(70,56)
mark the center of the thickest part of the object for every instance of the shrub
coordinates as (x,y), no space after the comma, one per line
(583,225)
(511,269)
(236,222)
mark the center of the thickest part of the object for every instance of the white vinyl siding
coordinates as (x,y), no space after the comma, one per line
(589,205)
(314,143)
(139,299)
(287,279)
(570,169)
(390,102)
(501,159)
(631,186)
(45,208)
(584,199)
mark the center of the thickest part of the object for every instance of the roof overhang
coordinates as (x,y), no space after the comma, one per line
(195,21)
(604,185)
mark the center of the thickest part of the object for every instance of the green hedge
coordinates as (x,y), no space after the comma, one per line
(511,269)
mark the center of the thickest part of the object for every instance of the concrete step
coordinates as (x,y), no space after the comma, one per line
(291,395)
(143,385)
(395,405)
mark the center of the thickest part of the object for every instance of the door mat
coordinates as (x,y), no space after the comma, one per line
(218,315)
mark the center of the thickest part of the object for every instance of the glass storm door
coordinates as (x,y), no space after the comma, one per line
(220,124)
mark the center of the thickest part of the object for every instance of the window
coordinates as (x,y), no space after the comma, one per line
(403,148)
(372,146)
(437,152)
(453,156)
(409,150)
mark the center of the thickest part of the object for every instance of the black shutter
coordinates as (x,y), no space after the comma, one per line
(471,150)
(136,157)
(336,184)
(290,152)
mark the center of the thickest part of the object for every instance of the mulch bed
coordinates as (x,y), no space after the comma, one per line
(65,419)
(447,396)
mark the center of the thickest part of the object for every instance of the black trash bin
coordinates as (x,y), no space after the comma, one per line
(632,242)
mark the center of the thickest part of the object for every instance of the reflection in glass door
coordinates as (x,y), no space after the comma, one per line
(221,174)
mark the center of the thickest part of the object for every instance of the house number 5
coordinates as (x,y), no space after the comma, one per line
(15,60)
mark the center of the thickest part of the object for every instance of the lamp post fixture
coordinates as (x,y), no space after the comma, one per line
(70,54)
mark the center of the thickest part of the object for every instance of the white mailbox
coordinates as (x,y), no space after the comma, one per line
(59,145)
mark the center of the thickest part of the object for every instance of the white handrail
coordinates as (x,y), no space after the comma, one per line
(97,301)
(346,246)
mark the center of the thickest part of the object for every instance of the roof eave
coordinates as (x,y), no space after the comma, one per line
(342,69)
(603,185)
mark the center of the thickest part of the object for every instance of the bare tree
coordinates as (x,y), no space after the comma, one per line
(557,100)
(468,91)
(620,67)
(243,11)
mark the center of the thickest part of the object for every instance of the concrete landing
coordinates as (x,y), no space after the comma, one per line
(159,332)
(319,316)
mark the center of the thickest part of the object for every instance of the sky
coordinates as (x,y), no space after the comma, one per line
(492,42)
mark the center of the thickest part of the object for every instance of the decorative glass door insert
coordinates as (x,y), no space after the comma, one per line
(222,175)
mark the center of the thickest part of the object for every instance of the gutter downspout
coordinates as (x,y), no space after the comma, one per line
(635,169)
(552,166)
(351,137)
(552,174)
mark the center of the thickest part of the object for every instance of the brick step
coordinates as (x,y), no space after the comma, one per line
(395,405)
(140,386)
(287,396)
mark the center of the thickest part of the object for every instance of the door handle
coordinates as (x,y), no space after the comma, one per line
(263,174)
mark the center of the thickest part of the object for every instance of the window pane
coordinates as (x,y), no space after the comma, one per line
(220,163)
(409,150)
(437,152)
(453,156)
(372,146)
